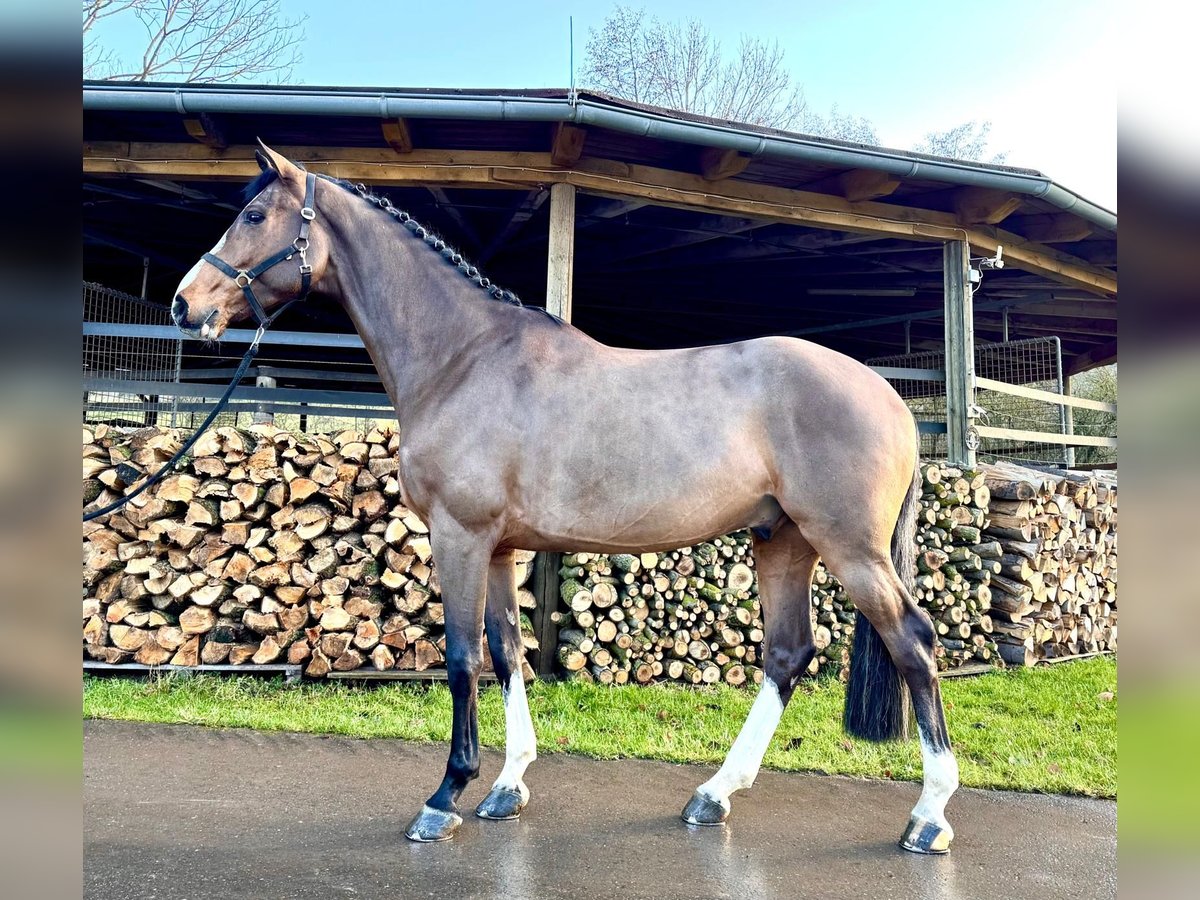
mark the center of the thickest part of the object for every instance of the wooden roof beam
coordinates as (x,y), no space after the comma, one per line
(520,215)
(983,206)
(1097,356)
(567,146)
(1061,228)
(608,178)
(395,132)
(446,205)
(866,184)
(717,164)
(203,129)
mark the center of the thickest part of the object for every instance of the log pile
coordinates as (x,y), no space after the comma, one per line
(1056,593)
(956,563)
(690,615)
(262,547)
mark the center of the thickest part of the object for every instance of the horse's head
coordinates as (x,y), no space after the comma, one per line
(270,255)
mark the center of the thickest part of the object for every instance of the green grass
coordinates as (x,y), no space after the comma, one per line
(1043,729)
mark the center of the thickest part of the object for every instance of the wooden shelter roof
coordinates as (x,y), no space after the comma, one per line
(689,230)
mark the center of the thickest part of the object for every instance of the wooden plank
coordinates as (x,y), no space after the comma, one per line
(897,373)
(707,228)
(717,164)
(520,215)
(289,672)
(1072,309)
(432,674)
(560,264)
(866,184)
(203,129)
(1099,356)
(982,206)
(609,178)
(395,132)
(960,353)
(1019,390)
(1045,437)
(446,205)
(567,146)
(1053,229)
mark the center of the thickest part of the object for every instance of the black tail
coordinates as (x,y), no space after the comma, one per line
(877,703)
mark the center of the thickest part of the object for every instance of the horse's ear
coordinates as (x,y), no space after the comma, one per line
(284,167)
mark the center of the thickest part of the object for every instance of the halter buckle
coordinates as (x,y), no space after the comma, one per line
(308,213)
(301,244)
(238,280)
(306,269)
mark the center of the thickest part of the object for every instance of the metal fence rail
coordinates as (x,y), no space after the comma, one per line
(1023,413)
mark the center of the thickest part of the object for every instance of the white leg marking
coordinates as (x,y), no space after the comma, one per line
(940,770)
(519,739)
(745,756)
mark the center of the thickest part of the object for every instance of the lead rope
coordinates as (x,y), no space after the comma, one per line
(169,464)
(244,279)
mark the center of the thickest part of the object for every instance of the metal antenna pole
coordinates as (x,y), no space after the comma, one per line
(571,26)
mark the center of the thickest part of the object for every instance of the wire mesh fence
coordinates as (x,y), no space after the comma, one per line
(1033,362)
(138,380)
(111,362)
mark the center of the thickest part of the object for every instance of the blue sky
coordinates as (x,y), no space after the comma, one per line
(1044,73)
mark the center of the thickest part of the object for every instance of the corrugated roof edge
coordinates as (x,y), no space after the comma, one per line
(585,109)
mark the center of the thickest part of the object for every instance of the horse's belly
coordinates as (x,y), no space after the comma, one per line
(643,511)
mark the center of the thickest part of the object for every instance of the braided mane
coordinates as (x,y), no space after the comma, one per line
(447,253)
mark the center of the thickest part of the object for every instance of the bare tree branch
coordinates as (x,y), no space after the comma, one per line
(203,41)
(681,66)
(966,141)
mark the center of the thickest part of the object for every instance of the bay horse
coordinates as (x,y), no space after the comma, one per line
(497,403)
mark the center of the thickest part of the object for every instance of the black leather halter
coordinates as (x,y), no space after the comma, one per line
(245,277)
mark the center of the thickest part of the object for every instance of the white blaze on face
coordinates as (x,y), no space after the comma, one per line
(940,771)
(195,270)
(745,756)
(519,739)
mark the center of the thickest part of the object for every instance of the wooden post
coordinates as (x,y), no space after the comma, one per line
(1068,420)
(560,266)
(262,412)
(961,439)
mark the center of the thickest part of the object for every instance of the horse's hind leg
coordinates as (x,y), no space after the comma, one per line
(502,617)
(785,566)
(908,638)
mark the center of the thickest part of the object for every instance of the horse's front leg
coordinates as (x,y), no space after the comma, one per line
(462,559)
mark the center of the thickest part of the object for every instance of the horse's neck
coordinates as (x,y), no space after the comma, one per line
(416,315)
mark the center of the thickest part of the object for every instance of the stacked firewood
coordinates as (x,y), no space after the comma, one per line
(689,615)
(693,614)
(955,563)
(261,547)
(1056,593)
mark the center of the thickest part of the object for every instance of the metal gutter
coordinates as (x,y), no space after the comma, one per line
(583,112)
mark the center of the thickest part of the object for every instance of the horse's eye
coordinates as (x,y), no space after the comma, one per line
(254,217)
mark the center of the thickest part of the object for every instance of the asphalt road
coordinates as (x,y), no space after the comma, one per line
(188,813)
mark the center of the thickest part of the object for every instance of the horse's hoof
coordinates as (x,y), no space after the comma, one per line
(922,836)
(432,825)
(501,803)
(703,810)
